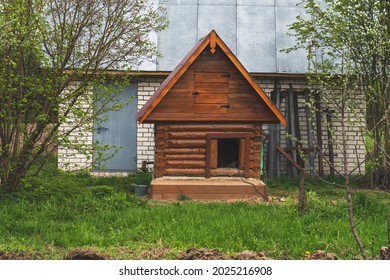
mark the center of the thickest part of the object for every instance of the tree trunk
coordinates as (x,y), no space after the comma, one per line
(351,219)
(302,193)
(347,185)
(386,167)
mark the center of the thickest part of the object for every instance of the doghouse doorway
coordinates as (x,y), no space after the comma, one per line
(227,154)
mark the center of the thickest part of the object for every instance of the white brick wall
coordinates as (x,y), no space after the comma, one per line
(76,152)
(145,132)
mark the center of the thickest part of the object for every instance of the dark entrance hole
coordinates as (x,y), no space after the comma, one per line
(228,151)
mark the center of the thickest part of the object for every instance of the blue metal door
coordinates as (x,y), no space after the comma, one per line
(120,131)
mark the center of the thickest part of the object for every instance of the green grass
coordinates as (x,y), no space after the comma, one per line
(56,212)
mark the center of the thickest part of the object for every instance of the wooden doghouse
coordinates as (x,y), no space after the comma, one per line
(208,117)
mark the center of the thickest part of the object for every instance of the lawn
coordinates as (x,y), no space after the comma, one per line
(57,212)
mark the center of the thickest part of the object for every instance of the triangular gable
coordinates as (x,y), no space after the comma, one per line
(212,40)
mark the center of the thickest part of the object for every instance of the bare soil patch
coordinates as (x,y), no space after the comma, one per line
(213,254)
(320,255)
(86,254)
(18,256)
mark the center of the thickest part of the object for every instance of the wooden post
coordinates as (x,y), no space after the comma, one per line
(319,133)
(302,193)
(309,119)
(298,143)
(330,141)
(277,126)
(288,130)
(388,236)
(292,127)
(273,169)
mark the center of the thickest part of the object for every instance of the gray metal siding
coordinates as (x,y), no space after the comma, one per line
(255,30)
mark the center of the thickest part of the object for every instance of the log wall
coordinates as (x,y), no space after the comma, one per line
(181,148)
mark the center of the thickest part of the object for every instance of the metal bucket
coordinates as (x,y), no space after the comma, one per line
(141,190)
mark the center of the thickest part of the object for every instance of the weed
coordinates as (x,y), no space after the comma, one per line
(183,197)
(102,191)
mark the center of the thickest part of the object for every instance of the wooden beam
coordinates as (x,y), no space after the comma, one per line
(213,36)
(294,163)
(330,141)
(213,153)
(317,98)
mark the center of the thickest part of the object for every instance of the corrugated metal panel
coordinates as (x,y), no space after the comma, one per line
(288,62)
(256,38)
(221,18)
(254,30)
(181,35)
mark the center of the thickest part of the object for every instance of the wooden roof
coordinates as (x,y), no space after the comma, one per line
(212,40)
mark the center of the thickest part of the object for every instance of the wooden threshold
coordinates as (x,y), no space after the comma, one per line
(216,188)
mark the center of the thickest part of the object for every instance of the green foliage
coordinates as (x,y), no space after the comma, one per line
(144,178)
(102,191)
(366,204)
(54,59)
(348,45)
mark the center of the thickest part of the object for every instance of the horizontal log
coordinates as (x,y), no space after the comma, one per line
(184,163)
(185,156)
(186,135)
(184,171)
(186,151)
(226,172)
(186,143)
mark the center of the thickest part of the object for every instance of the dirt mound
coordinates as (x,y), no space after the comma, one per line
(320,255)
(213,254)
(201,254)
(384,253)
(250,255)
(86,254)
(159,253)
(16,256)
